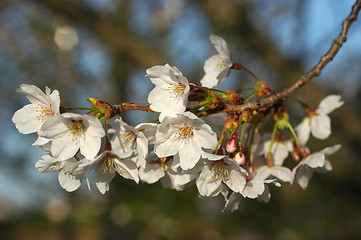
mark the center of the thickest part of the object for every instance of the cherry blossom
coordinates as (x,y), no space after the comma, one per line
(70,132)
(219,173)
(185,136)
(67,180)
(280,150)
(314,162)
(170,95)
(135,139)
(43,106)
(318,122)
(106,165)
(166,170)
(218,66)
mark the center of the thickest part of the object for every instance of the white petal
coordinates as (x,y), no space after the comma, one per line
(321,126)
(266,195)
(236,181)
(233,202)
(209,80)
(89,145)
(34,94)
(54,127)
(280,152)
(328,104)
(55,101)
(47,164)
(331,150)
(151,173)
(68,181)
(64,148)
(102,180)
(127,169)
(206,137)
(303,131)
(26,119)
(282,173)
(303,175)
(206,185)
(41,141)
(220,45)
(253,188)
(149,130)
(314,160)
(189,155)
(93,126)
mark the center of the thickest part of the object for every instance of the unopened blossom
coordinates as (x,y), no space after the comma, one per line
(184,135)
(70,132)
(218,66)
(134,139)
(318,122)
(67,179)
(106,165)
(170,95)
(219,173)
(43,106)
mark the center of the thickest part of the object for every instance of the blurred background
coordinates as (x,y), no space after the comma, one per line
(101,48)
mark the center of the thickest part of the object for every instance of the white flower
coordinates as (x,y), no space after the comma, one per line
(69,181)
(43,106)
(218,66)
(70,132)
(127,138)
(218,173)
(106,165)
(170,95)
(318,122)
(280,150)
(184,135)
(166,170)
(314,162)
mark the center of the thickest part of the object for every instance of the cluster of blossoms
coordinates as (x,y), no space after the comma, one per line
(180,148)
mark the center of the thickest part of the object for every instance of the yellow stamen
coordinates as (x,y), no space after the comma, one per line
(44,112)
(219,171)
(76,130)
(185,133)
(176,90)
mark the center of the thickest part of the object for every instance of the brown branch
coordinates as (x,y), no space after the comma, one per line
(118,109)
(305,78)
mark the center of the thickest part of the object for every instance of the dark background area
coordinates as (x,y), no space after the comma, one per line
(101,48)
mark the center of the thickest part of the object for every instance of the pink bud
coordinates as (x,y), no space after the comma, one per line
(232,144)
(240,158)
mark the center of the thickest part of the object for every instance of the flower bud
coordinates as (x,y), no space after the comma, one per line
(262,89)
(232,145)
(240,158)
(296,152)
(103,110)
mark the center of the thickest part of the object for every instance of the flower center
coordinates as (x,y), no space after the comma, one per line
(185,133)
(219,172)
(220,63)
(75,129)
(44,112)
(176,90)
(127,139)
(109,166)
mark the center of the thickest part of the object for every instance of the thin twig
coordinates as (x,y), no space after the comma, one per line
(305,78)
